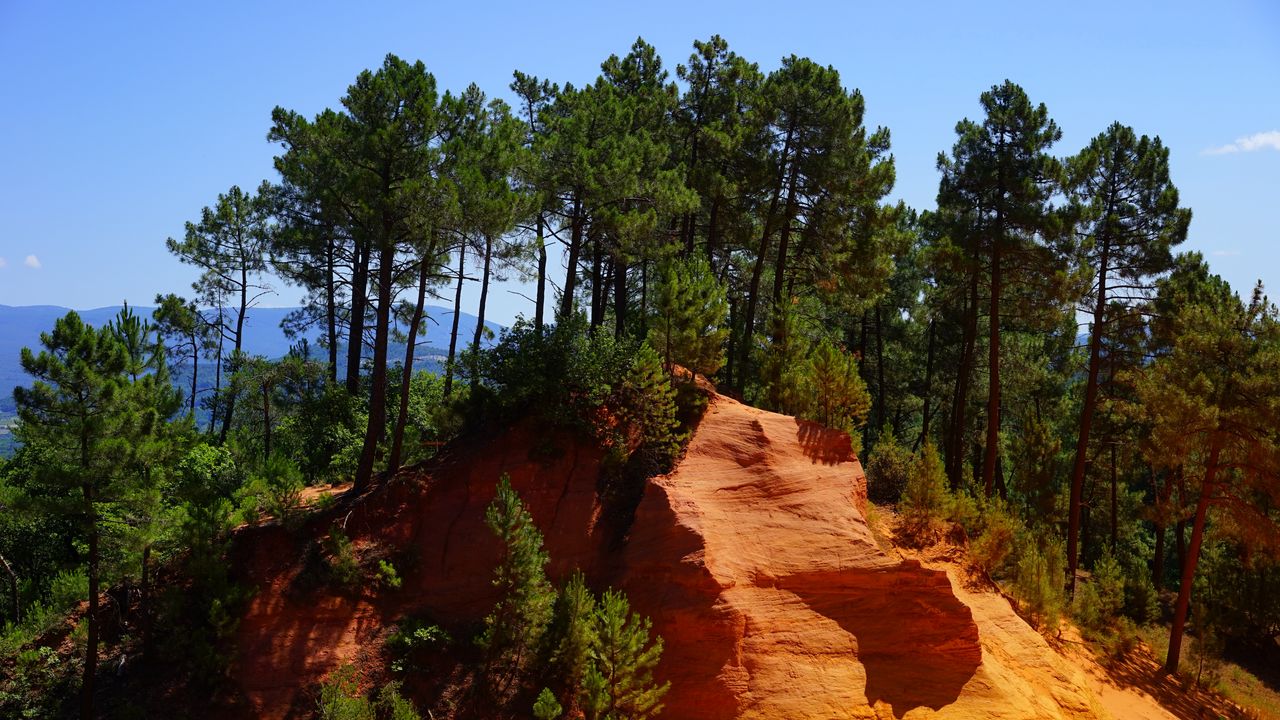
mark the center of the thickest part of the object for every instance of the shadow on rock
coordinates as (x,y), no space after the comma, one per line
(916,640)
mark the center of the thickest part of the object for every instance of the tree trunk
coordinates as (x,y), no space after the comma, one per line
(359,299)
(1193,557)
(331,308)
(575,249)
(784,237)
(1086,424)
(928,385)
(217,379)
(992,449)
(1115,508)
(484,299)
(597,278)
(880,402)
(619,298)
(757,270)
(266,421)
(195,373)
(457,314)
(91,618)
(13,590)
(960,400)
(406,376)
(539,312)
(378,379)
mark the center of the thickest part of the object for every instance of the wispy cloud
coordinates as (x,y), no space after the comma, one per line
(32,262)
(3,262)
(1250,143)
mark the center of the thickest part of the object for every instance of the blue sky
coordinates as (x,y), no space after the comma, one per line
(121,120)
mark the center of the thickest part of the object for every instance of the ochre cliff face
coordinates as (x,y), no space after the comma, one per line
(753,558)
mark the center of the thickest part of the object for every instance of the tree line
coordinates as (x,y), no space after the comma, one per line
(737,222)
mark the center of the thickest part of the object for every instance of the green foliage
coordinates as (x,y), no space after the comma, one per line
(412,639)
(688,328)
(273,488)
(387,576)
(515,624)
(925,494)
(619,682)
(571,635)
(340,699)
(614,390)
(546,707)
(840,399)
(1038,580)
(889,469)
(343,566)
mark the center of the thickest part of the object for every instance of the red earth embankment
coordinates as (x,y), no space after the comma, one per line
(753,558)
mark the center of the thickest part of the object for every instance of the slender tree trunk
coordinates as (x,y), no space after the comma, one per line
(266,421)
(733,333)
(217,380)
(992,449)
(1086,424)
(713,233)
(406,376)
(457,315)
(880,401)
(1157,566)
(378,379)
(597,279)
(575,249)
(144,603)
(91,618)
(331,308)
(757,269)
(928,385)
(619,298)
(484,299)
(359,301)
(1115,508)
(13,590)
(195,373)
(239,344)
(539,312)
(964,374)
(1193,557)
(784,237)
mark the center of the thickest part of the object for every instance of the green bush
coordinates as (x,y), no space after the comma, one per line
(1038,578)
(925,494)
(344,568)
(412,638)
(546,707)
(889,468)
(614,390)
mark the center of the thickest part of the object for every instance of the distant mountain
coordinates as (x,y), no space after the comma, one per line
(21,326)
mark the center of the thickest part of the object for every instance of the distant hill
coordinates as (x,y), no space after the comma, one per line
(20,326)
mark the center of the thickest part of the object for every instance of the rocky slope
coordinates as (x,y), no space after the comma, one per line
(753,557)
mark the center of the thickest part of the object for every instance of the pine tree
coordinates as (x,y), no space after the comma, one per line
(76,410)
(999,182)
(689,327)
(619,684)
(524,606)
(1213,404)
(1131,219)
(229,245)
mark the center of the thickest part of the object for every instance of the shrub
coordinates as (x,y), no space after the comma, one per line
(410,640)
(343,567)
(1038,577)
(995,540)
(340,698)
(925,494)
(619,682)
(888,469)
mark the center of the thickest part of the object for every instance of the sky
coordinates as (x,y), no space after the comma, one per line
(119,121)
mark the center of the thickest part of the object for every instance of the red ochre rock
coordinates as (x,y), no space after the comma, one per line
(753,558)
